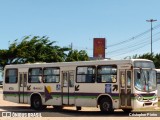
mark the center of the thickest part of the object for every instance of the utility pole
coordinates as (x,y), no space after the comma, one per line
(8,44)
(151,20)
(71,46)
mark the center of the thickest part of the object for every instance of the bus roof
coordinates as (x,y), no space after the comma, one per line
(78,63)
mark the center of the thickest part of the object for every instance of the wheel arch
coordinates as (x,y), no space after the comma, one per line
(35,94)
(100,97)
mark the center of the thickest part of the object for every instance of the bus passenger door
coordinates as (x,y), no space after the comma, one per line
(125,88)
(68,88)
(22,87)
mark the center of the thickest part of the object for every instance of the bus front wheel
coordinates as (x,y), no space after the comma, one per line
(106,105)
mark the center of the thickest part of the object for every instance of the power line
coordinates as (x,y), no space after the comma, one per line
(143,41)
(125,41)
(133,38)
(135,48)
(130,45)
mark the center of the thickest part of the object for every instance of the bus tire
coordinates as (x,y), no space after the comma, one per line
(36,103)
(106,105)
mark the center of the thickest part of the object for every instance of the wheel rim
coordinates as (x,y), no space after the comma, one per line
(36,103)
(106,106)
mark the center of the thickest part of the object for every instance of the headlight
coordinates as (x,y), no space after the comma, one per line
(139,97)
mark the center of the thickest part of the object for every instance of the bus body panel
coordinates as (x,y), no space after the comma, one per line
(10,93)
(69,91)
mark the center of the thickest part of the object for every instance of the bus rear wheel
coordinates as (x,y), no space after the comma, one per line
(36,103)
(106,105)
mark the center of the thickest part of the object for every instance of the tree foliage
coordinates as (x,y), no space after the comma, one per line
(154,57)
(75,55)
(38,49)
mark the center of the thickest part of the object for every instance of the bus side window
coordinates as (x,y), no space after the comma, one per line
(11,76)
(107,74)
(40,79)
(35,75)
(51,75)
(29,79)
(86,74)
(90,79)
(113,77)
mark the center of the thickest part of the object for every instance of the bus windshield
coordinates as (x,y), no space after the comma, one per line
(145,80)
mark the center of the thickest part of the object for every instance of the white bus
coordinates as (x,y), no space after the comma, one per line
(158,82)
(107,84)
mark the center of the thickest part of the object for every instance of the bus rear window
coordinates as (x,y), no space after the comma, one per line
(11,76)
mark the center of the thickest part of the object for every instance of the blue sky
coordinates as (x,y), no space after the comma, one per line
(79,21)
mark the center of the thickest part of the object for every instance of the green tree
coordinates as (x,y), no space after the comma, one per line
(147,56)
(154,58)
(32,49)
(75,55)
(157,60)
(38,49)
